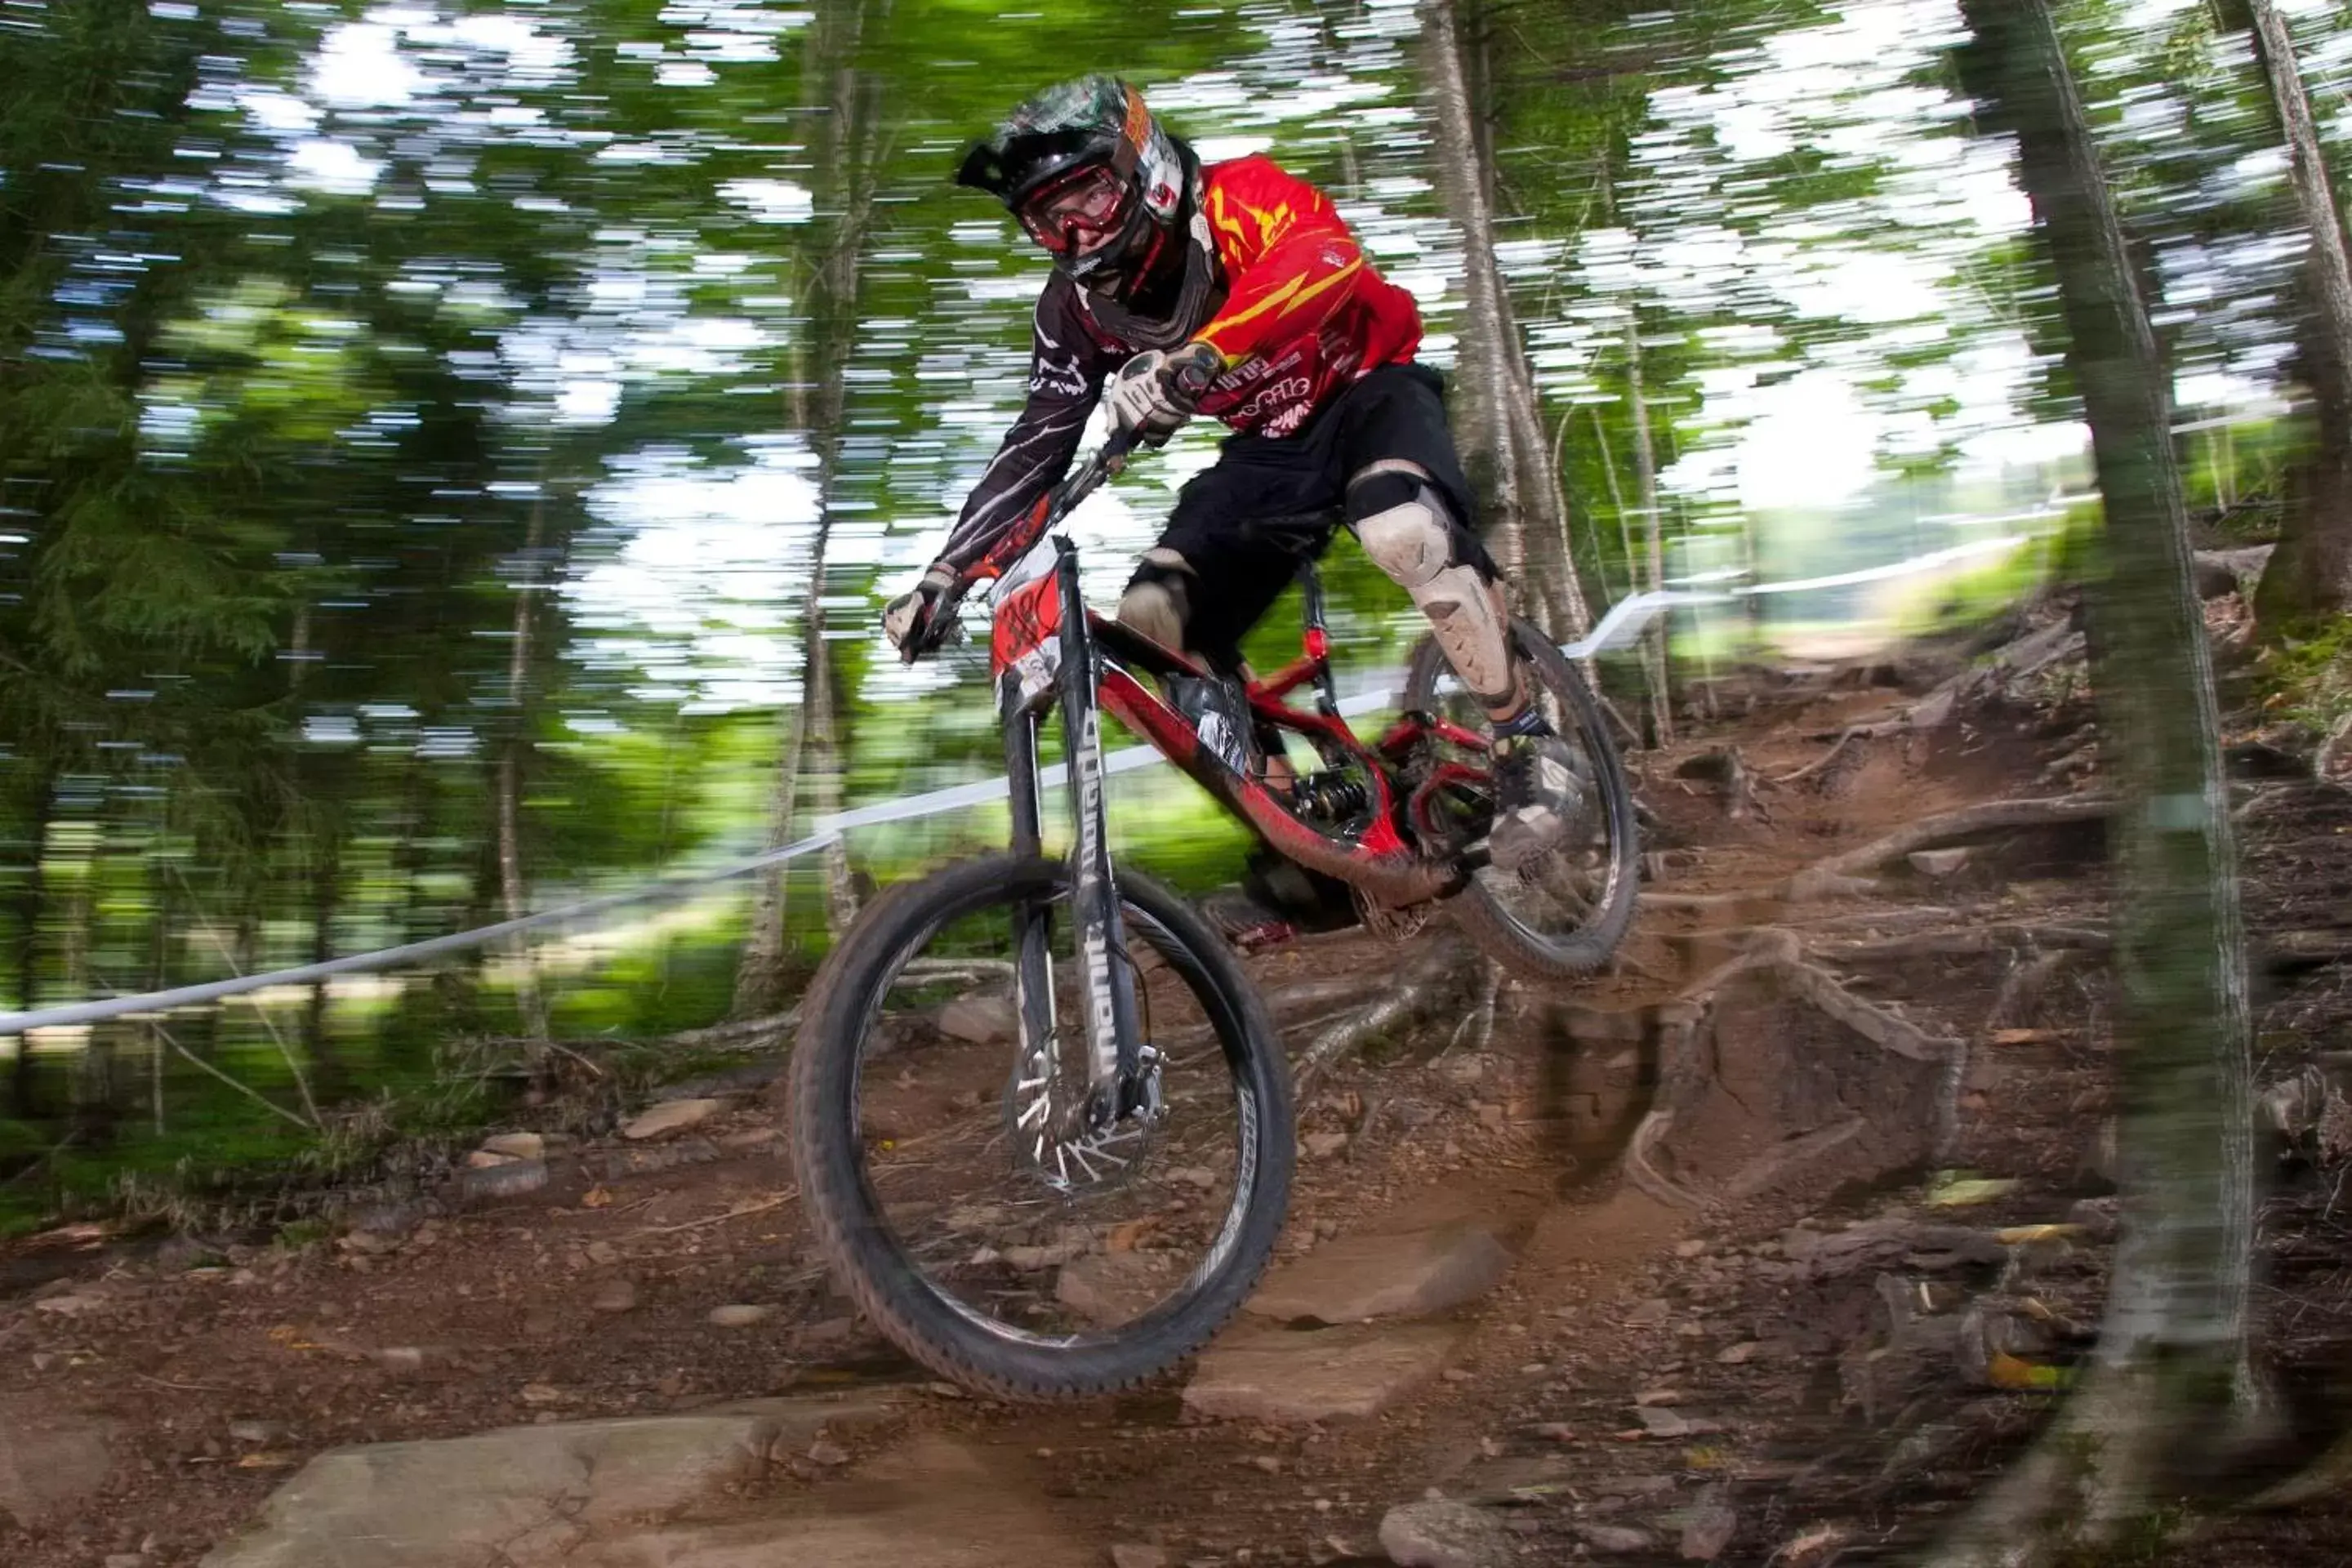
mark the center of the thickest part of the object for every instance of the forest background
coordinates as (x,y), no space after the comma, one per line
(451,454)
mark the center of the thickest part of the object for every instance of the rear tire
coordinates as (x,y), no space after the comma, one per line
(887,1276)
(1605,862)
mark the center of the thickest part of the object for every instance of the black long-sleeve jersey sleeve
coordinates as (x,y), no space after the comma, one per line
(1069,359)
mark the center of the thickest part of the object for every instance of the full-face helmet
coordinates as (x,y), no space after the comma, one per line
(1093,178)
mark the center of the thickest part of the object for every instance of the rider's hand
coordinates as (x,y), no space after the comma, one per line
(1156,392)
(913,622)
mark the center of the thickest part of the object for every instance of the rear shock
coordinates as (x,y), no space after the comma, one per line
(1331,796)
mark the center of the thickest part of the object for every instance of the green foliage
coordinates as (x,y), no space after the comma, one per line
(2306,673)
(298,358)
(1978,596)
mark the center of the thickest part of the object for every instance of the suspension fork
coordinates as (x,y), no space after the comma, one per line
(1037,1065)
(1116,1083)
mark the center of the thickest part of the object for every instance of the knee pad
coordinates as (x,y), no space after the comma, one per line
(1409,533)
(1158,599)
(1403,524)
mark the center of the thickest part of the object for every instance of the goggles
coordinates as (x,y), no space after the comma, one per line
(1078,213)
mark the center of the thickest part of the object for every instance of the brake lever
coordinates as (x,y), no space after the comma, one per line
(946,625)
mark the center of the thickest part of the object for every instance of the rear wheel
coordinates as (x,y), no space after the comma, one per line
(978,1223)
(1562,914)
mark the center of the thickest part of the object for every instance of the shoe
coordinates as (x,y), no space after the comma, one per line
(1220,716)
(1307,900)
(1540,794)
(1277,902)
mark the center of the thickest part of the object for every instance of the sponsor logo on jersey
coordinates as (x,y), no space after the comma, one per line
(1061,377)
(1287,390)
(1288,419)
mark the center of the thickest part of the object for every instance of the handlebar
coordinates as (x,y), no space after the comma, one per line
(1105,463)
(1108,460)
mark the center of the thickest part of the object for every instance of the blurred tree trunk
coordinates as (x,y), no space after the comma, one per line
(847,156)
(317,799)
(513,890)
(30,894)
(1646,478)
(326,892)
(161,914)
(93,1075)
(2311,572)
(1501,431)
(2169,1374)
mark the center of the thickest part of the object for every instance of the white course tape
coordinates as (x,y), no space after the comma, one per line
(1625,622)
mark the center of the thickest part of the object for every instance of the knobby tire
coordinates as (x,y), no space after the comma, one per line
(846,1214)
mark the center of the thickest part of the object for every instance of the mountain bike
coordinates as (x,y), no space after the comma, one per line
(1042,1122)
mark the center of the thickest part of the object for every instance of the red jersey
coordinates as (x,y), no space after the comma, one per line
(1303,315)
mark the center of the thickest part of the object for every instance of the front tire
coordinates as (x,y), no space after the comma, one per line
(910,1263)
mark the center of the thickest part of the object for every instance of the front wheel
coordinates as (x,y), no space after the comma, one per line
(1561,915)
(983,1226)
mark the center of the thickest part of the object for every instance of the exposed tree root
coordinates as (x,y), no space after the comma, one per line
(2081,759)
(1824,877)
(1820,764)
(2021,659)
(2021,989)
(1479,1023)
(1308,996)
(1691,900)
(1969,940)
(2097,1484)
(1782,953)
(1435,980)
(1722,767)
(2323,761)
(2307,948)
(2324,1477)
(1645,1175)
(740,1032)
(1880,1026)
(1873,922)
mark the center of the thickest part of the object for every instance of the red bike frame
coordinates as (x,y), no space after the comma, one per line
(1034,616)
(1047,650)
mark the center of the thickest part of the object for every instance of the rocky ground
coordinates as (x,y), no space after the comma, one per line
(1769,1246)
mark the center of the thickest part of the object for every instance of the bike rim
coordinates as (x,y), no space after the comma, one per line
(986,1232)
(1566,892)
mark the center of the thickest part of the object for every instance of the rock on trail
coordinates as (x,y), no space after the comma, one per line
(979,1020)
(50,1462)
(662,1489)
(1413,1275)
(1278,1375)
(1440,1534)
(671,1116)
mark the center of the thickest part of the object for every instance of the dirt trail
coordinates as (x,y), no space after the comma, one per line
(1814,1366)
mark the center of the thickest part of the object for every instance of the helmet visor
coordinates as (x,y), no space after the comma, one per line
(1081,212)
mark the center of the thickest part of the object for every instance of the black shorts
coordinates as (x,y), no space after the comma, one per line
(1270,502)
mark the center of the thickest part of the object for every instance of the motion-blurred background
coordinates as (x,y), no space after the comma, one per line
(452,455)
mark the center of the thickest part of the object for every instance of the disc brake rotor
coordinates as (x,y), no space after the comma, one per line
(1052,1139)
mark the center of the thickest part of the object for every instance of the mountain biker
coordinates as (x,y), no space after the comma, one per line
(1235,291)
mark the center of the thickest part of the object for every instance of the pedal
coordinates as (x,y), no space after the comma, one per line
(1249,927)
